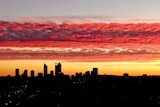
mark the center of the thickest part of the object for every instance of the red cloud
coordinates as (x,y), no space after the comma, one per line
(95,41)
(88,32)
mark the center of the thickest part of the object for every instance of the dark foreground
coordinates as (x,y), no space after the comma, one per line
(80,91)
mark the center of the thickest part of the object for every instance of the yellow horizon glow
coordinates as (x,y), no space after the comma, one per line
(8,67)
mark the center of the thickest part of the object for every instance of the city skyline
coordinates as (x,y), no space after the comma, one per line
(79,53)
(46,73)
(57,69)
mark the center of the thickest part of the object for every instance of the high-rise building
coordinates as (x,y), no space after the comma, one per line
(17,72)
(32,73)
(45,70)
(25,73)
(57,69)
(94,73)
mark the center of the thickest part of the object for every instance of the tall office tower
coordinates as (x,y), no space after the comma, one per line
(94,73)
(32,73)
(57,69)
(17,72)
(25,74)
(45,70)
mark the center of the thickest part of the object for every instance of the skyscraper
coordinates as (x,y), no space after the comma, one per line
(17,72)
(25,74)
(45,70)
(57,69)
(32,73)
(94,73)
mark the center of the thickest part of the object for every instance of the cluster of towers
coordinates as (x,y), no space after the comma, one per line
(58,71)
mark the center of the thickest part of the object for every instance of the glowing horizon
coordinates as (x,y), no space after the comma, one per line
(70,68)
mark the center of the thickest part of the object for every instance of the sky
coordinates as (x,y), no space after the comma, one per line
(115,36)
(107,8)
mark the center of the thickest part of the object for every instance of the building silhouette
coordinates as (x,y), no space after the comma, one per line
(45,70)
(51,73)
(58,69)
(25,74)
(94,73)
(32,73)
(126,75)
(84,89)
(40,74)
(17,72)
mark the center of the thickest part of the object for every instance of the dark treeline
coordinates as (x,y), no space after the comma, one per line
(80,91)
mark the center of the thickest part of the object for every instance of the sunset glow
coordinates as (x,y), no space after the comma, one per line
(79,53)
(115,48)
(108,68)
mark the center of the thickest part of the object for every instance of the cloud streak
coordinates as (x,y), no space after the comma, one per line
(87,32)
(93,50)
(73,41)
(110,52)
